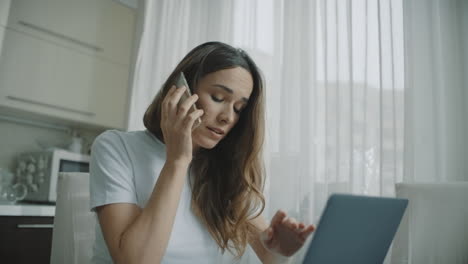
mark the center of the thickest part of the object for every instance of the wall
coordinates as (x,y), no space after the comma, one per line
(16,138)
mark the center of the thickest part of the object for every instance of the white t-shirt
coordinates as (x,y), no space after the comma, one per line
(124,169)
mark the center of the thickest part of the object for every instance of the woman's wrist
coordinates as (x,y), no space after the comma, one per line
(280,259)
(277,258)
(178,164)
(274,257)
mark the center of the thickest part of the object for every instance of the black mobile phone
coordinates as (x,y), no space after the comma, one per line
(181,81)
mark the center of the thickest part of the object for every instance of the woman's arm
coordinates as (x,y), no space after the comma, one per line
(135,235)
(263,254)
(281,239)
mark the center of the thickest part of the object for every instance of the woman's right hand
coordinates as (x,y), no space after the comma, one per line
(177,123)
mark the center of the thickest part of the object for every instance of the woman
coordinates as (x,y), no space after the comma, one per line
(181,193)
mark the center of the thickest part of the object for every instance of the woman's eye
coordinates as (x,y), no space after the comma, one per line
(219,100)
(216,99)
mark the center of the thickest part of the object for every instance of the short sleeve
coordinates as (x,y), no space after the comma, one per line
(111,173)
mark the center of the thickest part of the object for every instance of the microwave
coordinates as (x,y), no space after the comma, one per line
(39,172)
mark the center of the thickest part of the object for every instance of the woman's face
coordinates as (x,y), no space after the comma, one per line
(222,96)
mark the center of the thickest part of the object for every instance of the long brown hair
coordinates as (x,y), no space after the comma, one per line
(228,183)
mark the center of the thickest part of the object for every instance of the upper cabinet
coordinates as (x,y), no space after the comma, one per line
(68,60)
(4,9)
(102,28)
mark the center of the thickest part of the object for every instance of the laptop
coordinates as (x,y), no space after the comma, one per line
(355,229)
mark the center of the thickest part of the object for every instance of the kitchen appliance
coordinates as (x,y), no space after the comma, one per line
(39,171)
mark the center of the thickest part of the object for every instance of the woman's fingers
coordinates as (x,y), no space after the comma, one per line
(307,231)
(283,224)
(186,105)
(174,98)
(170,92)
(190,119)
(180,113)
(301,226)
(278,218)
(164,102)
(270,233)
(169,104)
(300,229)
(291,223)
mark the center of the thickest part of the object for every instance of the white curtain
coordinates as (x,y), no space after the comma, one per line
(436,41)
(334,75)
(435,228)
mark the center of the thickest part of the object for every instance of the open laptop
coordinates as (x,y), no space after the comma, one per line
(355,229)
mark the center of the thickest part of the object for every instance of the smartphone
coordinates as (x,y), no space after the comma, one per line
(181,81)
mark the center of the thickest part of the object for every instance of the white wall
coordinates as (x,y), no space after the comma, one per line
(130,3)
(16,138)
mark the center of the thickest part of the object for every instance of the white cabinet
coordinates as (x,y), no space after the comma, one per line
(101,28)
(40,77)
(68,60)
(4,8)
(2,35)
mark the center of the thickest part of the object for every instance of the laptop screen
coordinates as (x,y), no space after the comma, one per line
(355,229)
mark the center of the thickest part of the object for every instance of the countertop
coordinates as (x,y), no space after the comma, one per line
(20,209)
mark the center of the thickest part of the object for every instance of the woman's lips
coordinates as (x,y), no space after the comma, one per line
(217,130)
(215,133)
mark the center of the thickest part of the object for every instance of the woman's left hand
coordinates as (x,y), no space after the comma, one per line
(285,236)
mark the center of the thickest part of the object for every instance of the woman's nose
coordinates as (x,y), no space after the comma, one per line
(227,115)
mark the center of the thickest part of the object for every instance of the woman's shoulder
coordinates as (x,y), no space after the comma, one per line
(108,138)
(141,139)
(108,135)
(113,135)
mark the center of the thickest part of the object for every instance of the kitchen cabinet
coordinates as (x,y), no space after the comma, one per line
(68,60)
(40,77)
(101,28)
(2,34)
(25,239)
(4,10)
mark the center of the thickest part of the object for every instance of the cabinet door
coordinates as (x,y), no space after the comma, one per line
(101,28)
(25,239)
(2,36)
(4,11)
(41,77)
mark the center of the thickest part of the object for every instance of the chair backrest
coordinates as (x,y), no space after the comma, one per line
(435,226)
(74,224)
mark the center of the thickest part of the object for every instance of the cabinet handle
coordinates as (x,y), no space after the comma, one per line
(35,226)
(50,105)
(61,36)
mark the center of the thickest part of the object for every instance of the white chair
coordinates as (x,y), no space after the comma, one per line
(73,233)
(435,226)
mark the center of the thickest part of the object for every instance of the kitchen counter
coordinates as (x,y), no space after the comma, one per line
(19,209)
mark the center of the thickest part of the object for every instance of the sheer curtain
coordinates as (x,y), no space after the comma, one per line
(437,97)
(334,78)
(436,129)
